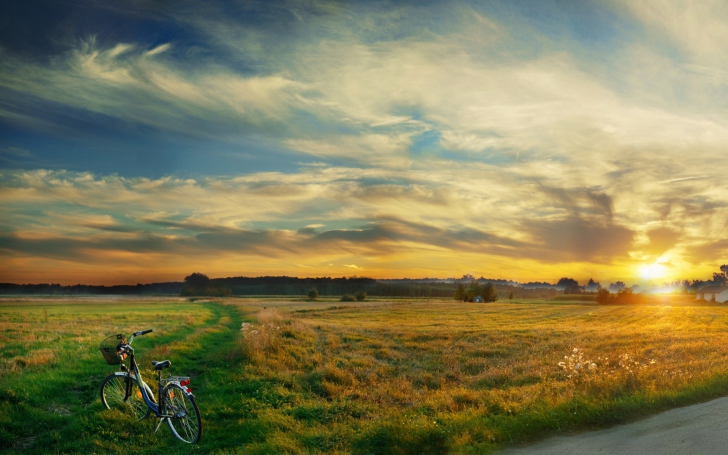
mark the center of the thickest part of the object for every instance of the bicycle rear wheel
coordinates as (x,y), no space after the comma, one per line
(114,393)
(184,417)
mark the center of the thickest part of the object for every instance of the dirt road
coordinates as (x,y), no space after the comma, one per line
(695,430)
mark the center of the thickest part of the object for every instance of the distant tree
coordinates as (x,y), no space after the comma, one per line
(313,294)
(603,296)
(195,284)
(459,292)
(627,296)
(510,295)
(488,292)
(567,283)
(616,287)
(573,290)
(721,277)
(472,291)
(200,284)
(197,280)
(685,286)
(592,286)
(361,296)
(217,291)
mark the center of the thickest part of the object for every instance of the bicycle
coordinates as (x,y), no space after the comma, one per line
(127,392)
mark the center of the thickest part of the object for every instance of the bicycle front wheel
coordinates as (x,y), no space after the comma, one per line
(183,415)
(120,391)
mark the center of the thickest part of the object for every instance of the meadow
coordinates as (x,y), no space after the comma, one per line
(378,377)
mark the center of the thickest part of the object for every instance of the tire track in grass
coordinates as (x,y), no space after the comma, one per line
(203,355)
(196,350)
(208,361)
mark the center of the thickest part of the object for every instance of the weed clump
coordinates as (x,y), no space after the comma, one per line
(260,339)
(578,368)
(623,374)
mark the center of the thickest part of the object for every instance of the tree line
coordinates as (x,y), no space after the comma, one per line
(166,288)
(465,288)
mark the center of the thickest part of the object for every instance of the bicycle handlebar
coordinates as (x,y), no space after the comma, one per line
(141,332)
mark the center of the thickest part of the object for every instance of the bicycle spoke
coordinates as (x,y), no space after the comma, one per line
(184,420)
(113,393)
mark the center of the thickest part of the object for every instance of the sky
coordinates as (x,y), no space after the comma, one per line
(144,140)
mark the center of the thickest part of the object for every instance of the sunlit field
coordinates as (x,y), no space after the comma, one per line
(381,377)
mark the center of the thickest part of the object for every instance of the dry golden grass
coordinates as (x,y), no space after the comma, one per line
(375,377)
(464,362)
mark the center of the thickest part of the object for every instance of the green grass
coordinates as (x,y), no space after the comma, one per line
(379,377)
(51,370)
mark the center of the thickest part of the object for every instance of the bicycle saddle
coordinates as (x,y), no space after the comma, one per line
(161,365)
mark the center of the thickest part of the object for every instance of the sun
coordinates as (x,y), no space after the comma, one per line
(654,271)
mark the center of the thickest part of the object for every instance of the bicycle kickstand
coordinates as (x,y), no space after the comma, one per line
(159,424)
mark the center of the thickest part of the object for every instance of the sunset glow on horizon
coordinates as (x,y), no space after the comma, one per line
(526,141)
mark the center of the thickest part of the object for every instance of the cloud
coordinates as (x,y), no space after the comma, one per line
(694,27)
(486,135)
(375,149)
(16,151)
(714,251)
(662,239)
(580,200)
(577,239)
(16,156)
(486,85)
(362,214)
(136,85)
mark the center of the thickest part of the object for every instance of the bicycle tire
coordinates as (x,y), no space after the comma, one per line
(113,392)
(185,422)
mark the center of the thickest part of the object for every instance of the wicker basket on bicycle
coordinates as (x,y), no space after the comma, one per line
(109,348)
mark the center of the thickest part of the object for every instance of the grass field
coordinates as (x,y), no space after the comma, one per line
(383,377)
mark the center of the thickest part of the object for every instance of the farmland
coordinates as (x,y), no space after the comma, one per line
(390,376)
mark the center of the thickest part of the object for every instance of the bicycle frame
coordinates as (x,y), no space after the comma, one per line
(136,375)
(175,404)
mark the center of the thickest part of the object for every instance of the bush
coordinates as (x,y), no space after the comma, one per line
(361,296)
(208,291)
(347,298)
(313,294)
(627,296)
(603,296)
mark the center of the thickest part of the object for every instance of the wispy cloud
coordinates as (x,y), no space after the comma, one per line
(383,220)
(134,84)
(448,135)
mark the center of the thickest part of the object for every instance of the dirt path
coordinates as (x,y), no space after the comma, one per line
(697,429)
